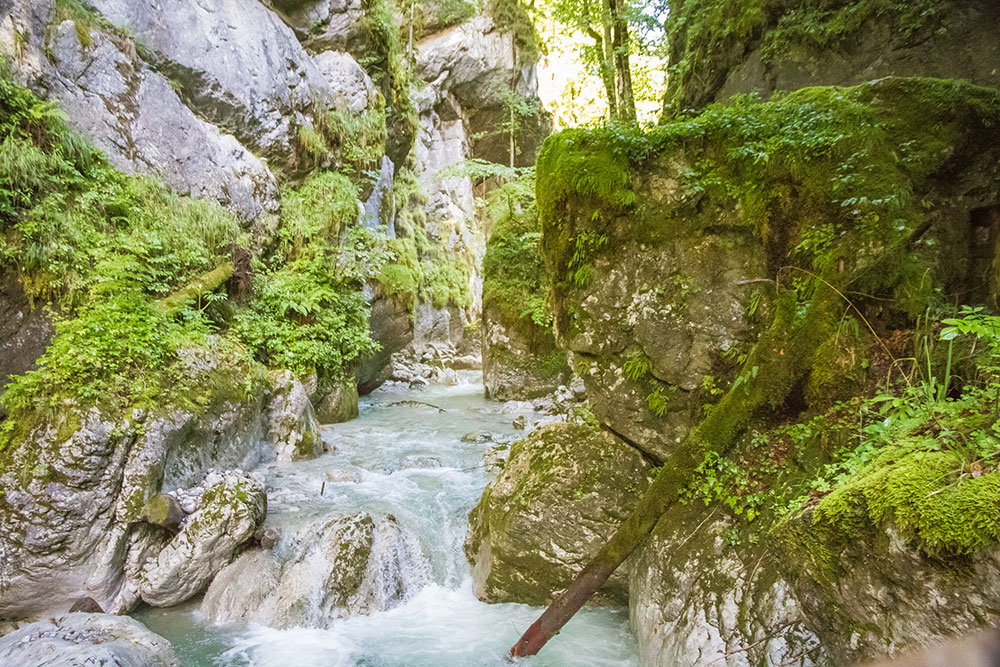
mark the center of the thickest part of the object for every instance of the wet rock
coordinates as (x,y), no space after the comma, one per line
(86,639)
(392,328)
(324,570)
(477,437)
(292,426)
(338,476)
(519,422)
(87,605)
(230,512)
(563,490)
(267,537)
(337,402)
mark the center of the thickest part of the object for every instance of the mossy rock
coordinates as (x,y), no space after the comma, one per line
(563,489)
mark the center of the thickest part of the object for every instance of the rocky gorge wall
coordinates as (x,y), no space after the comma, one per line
(301,124)
(733,294)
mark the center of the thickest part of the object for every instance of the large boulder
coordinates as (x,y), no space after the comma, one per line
(562,491)
(86,639)
(230,512)
(208,50)
(695,596)
(318,572)
(391,325)
(132,113)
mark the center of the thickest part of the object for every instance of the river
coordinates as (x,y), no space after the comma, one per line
(406,459)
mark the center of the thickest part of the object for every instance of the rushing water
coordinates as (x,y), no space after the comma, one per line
(407,460)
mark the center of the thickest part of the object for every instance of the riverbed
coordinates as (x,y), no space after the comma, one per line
(405,456)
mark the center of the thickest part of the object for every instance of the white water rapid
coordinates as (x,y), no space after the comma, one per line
(403,479)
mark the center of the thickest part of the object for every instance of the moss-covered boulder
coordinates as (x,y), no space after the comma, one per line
(719,48)
(336,401)
(562,491)
(726,277)
(520,357)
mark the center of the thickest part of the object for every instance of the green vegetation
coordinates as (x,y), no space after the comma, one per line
(138,276)
(702,33)
(308,315)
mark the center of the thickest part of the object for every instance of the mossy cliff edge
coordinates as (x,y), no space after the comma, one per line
(728,282)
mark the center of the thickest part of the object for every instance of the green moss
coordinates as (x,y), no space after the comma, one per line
(319,211)
(707,35)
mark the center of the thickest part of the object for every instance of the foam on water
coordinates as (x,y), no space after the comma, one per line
(407,460)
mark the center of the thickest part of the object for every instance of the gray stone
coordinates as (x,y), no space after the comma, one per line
(230,512)
(320,571)
(25,330)
(86,639)
(328,24)
(237,65)
(134,116)
(351,86)
(562,491)
(379,212)
(292,427)
(693,599)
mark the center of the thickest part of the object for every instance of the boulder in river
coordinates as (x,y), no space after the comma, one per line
(325,569)
(563,489)
(230,512)
(86,639)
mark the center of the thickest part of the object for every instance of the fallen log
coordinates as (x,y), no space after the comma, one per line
(778,361)
(204,284)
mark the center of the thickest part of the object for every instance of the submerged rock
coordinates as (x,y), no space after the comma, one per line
(86,639)
(562,491)
(326,569)
(230,512)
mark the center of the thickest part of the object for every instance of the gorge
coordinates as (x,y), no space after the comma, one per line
(326,340)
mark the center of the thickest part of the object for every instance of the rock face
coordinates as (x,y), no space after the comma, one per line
(663,322)
(338,402)
(562,491)
(133,114)
(292,425)
(208,51)
(351,86)
(328,24)
(25,331)
(694,598)
(74,493)
(519,362)
(230,512)
(777,54)
(86,639)
(319,572)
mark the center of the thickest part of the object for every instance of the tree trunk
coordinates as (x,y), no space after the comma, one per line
(602,48)
(626,97)
(783,359)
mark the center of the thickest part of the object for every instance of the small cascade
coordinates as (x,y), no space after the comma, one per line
(361,560)
(319,572)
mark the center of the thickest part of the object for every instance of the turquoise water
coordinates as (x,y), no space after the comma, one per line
(407,460)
